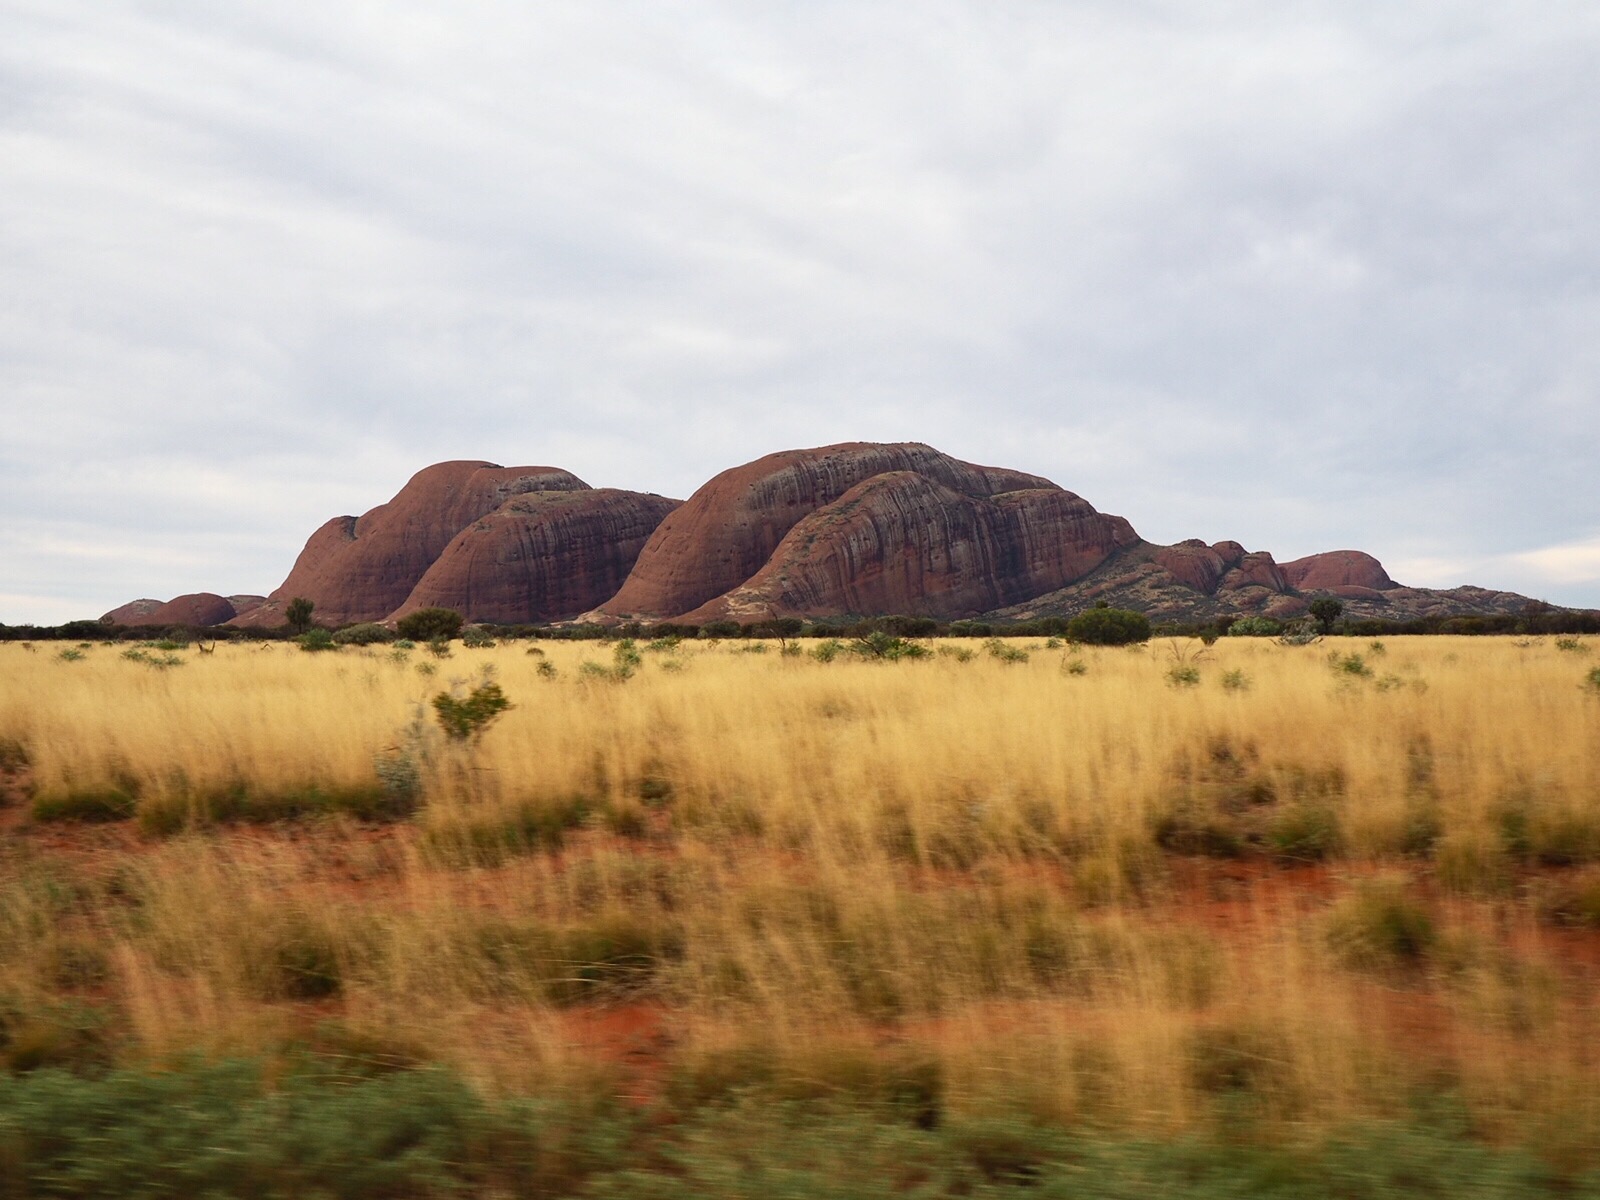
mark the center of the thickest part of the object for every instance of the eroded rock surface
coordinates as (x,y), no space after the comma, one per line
(901,542)
(543,556)
(1336,569)
(731,526)
(364,568)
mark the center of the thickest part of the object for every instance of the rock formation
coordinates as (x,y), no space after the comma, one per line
(731,526)
(855,529)
(133,612)
(198,610)
(544,556)
(498,543)
(902,542)
(1335,570)
(363,568)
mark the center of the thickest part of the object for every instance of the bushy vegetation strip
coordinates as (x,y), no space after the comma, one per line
(224,1131)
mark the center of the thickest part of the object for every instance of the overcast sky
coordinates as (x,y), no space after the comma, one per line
(1306,275)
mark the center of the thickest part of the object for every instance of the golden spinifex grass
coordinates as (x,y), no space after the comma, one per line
(1136,885)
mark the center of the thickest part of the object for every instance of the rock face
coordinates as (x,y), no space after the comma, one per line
(856,529)
(727,530)
(544,556)
(133,612)
(901,542)
(496,543)
(1338,569)
(363,568)
(197,610)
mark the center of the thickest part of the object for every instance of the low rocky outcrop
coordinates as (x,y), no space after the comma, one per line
(1338,569)
(133,612)
(198,610)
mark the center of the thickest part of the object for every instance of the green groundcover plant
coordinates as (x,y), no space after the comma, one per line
(348,1129)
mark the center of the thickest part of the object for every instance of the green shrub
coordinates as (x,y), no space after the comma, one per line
(886,647)
(1189,830)
(827,650)
(427,624)
(315,640)
(298,614)
(1380,927)
(1305,832)
(86,805)
(466,718)
(368,633)
(1572,900)
(1235,681)
(1109,627)
(240,804)
(295,958)
(1182,675)
(1003,651)
(476,637)
(33,1037)
(1349,664)
(1238,1059)
(740,1123)
(158,661)
(487,839)
(1255,627)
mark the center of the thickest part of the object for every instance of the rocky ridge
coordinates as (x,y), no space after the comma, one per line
(855,529)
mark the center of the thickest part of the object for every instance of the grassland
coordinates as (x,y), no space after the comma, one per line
(1254,891)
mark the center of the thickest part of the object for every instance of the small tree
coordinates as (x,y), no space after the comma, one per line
(1109,627)
(427,624)
(1326,610)
(298,614)
(465,719)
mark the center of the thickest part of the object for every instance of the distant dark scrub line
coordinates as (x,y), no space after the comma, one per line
(1538,623)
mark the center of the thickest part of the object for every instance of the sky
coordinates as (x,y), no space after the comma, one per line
(1308,276)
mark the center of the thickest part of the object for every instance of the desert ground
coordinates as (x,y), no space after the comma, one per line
(1246,895)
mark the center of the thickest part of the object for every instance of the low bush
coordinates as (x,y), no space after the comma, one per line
(1349,664)
(1003,651)
(315,640)
(1572,900)
(466,718)
(1255,627)
(1380,927)
(887,647)
(489,838)
(368,633)
(1109,627)
(427,624)
(86,805)
(240,804)
(1303,832)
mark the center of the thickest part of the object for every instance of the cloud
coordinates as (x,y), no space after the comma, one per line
(1573,562)
(1307,276)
